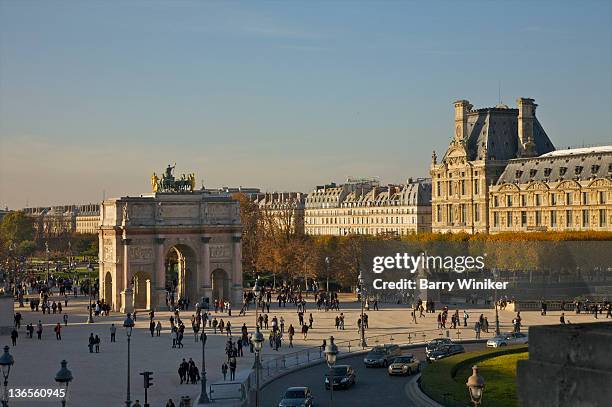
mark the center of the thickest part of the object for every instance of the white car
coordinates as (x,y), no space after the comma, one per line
(509,338)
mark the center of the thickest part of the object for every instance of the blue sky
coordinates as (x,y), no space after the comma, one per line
(96,95)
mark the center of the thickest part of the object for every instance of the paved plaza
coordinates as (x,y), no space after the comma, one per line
(100,379)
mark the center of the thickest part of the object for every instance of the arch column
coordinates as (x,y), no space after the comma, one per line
(236,275)
(203,277)
(127,295)
(159,277)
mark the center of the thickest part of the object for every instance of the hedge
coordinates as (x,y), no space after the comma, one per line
(438,379)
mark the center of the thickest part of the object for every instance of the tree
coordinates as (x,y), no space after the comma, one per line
(16,227)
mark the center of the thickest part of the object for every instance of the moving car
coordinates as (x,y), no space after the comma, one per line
(445,351)
(344,377)
(508,338)
(435,343)
(382,355)
(297,397)
(404,365)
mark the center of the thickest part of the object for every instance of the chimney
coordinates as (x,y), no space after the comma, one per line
(462,108)
(526,119)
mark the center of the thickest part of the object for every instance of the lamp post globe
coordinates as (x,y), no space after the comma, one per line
(64,376)
(475,385)
(6,362)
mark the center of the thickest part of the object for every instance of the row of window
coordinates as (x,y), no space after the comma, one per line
(462,185)
(457,213)
(385,211)
(365,221)
(570,222)
(553,199)
(360,231)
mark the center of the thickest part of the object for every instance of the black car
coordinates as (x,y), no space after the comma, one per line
(445,351)
(436,343)
(343,376)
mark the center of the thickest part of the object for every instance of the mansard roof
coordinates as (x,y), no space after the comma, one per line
(493,134)
(579,164)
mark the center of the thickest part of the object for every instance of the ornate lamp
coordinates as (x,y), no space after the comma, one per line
(475,385)
(6,362)
(64,376)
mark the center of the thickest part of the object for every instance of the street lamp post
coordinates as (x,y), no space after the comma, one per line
(47,253)
(64,376)
(6,362)
(258,340)
(496,276)
(362,295)
(331,353)
(90,268)
(475,385)
(128,324)
(203,399)
(256,292)
(327,271)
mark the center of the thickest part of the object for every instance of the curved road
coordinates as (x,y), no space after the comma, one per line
(373,386)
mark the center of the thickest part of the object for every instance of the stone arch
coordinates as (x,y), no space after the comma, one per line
(142,290)
(108,288)
(181,272)
(220,284)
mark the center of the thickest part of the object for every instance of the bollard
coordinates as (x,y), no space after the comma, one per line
(447,334)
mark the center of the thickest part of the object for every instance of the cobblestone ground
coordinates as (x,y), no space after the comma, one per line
(100,379)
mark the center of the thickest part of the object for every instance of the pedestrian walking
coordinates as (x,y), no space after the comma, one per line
(224,370)
(158,328)
(14,336)
(91,342)
(58,331)
(232,367)
(39,330)
(97,344)
(113,332)
(65,319)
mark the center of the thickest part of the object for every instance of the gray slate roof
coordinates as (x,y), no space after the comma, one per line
(495,130)
(577,164)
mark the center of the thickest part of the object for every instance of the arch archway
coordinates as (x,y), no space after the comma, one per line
(181,273)
(142,290)
(108,288)
(220,285)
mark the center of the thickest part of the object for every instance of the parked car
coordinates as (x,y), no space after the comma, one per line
(343,376)
(445,351)
(508,338)
(436,343)
(382,355)
(297,397)
(404,365)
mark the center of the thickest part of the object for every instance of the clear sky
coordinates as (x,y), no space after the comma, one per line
(95,95)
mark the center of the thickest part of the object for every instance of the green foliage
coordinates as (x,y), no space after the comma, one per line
(16,227)
(443,379)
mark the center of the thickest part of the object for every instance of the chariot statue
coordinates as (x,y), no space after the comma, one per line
(168,183)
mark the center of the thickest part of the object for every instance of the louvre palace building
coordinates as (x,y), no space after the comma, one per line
(501,173)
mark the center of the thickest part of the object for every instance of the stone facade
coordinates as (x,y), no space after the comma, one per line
(364,207)
(284,208)
(484,141)
(198,235)
(564,190)
(60,219)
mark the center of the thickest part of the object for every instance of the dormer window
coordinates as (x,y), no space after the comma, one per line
(547,172)
(562,171)
(594,169)
(518,173)
(578,170)
(533,172)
